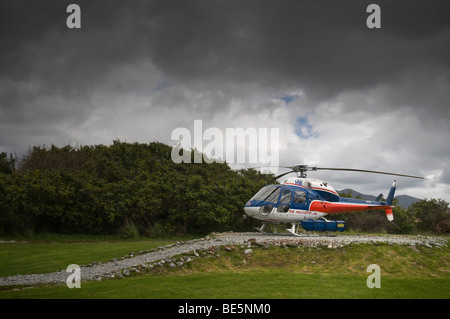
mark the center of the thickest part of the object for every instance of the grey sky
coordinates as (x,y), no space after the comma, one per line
(340,93)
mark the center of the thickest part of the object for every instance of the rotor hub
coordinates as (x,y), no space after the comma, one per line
(302,169)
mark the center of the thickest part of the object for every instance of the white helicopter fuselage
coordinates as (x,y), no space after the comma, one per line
(291,216)
(304,193)
(297,199)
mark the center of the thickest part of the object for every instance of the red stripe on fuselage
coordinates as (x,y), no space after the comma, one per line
(336,207)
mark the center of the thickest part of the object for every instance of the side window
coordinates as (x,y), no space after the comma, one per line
(300,197)
(273,197)
(285,197)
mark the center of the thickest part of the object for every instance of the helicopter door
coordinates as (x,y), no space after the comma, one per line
(285,200)
(299,201)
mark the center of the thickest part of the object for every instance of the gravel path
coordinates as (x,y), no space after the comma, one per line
(157,257)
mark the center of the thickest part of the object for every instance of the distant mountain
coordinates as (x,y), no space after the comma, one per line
(403,200)
(406,200)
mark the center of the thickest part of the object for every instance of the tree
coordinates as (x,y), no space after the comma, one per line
(404,221)
(432,215)
(7,164)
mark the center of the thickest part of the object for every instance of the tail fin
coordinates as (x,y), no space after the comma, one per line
(390,199)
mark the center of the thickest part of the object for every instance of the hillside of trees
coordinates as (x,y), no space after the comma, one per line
(121,188)
(136,189)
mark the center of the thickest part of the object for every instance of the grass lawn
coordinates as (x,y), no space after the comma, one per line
(276,273)
(56,253)
(273,284)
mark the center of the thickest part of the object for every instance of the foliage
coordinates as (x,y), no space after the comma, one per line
(126,188)
(7,163)
(431,215)
(424,216)
(404,222)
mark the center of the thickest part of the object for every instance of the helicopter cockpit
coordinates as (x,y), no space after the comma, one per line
(283,197)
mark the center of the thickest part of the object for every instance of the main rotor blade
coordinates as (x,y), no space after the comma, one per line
(277,177)
(366,171)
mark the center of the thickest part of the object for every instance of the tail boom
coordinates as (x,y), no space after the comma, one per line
(345,207)
(348,205)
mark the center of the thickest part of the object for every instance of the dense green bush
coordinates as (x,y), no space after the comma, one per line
(429,216)
(119,188)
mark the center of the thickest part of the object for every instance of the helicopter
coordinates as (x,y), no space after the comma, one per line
(305,202)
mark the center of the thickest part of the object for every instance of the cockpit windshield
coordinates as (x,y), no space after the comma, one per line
(268,194)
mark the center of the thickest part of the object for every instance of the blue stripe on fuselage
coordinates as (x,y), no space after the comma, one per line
(360,201)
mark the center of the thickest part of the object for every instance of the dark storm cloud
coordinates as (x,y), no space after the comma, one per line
(323,46)
(36,41)
(48,72)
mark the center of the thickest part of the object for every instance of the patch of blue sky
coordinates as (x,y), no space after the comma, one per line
(288,98)
(163,85)
(305,130)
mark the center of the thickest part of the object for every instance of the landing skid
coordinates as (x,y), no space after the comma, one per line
(261,230)
(293,231)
